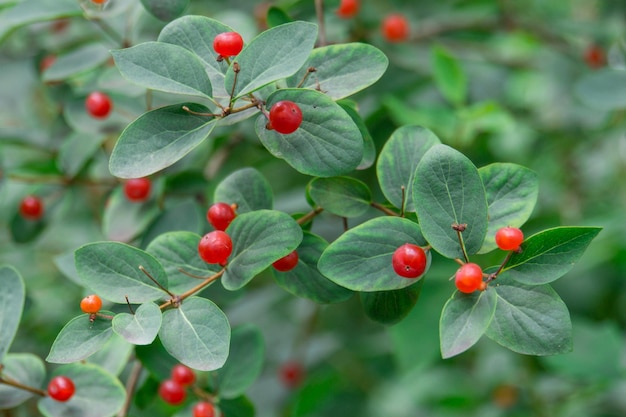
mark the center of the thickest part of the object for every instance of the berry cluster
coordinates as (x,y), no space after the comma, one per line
(174,390)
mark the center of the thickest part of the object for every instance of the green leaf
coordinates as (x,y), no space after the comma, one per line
(124,220)
(158,139)
(11,306)
(98,393)
(76,150)
(277,16)
(80,338)
(326,144)
(305,280)
(531,320)
(447,191)
(163,67)
(237,407)
(274,54)
(398,160)
(24,230)
(111,270)
(140,328)
(360,259)
(114,356)
(550,254)
(31,11)
(604,89)
(165,10)
(390,307)
(464,319)
(77,61)
(185,215)
(26,368)
(196,34)
(260,238)
(244,363)
(197,334)
(511,196)
(341,70)
(449,75)
(342,196)
(247,188)
(369,148)
(176,251)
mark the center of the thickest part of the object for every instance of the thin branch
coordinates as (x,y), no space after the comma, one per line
(131,386)
(158,284)
(15,384)
(192,291)
(384,209)
(309,216)
(319,11)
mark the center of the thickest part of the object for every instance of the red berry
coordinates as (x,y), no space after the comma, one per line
(203,409)
(183,375)
(61,388)
(91,304)
(215,247)
(287,263)
(228,44)
(285,117)
(172,392)
(594,57)
(469,278)
(348,8)
(98,104)
(137,189)
(220,215)
(291,374)
(31,207)
(395,28)
(509,238)
(409,261)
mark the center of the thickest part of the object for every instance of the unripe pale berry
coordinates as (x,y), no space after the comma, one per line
(469,278)
(285,117)
(409,261)
(509,238)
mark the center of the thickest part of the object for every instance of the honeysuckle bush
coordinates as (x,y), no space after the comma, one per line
(344,190)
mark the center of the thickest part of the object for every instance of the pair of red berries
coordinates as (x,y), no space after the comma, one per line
(31,207)
(215,247)
(174,390)
(61,388)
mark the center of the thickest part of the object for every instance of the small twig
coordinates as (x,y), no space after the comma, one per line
(307,217)
(158,284)
(306,75)
(403,190)
(194,290)
(188,110)
(345,224)
(13,383)
(319,12)
(460,228)
(236,69)
(493,276)
(129,306)
(131,386)
(384,209)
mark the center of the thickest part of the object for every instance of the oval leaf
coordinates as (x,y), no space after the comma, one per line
(187,215)
(244,363)
(511,196)
(81,59)
(79,339)
(531,320)
(111,270)
(398,160)
(25,368)
(158,139)
(260,238)
(326,144)
(98,393)
(165,10)
(448,191)
(163,67)
(604,89)
(449,75)
(305,280)
(11,306)
(464,319)
(343,196)
(140,328)
(197,334)
(341,70)
(247,188)
(550,254)
(272,55)
(176,251)
(369,148)
(390,307)
(124,220)
(360,259)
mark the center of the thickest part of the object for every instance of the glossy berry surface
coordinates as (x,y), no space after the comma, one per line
(98,104)
(203,409)
(409,261)
(291,374)
(287,263)
(220,215)
(228,44)
(285,117)
(183,375)
(509,238)
(395,28)
(215,247)
(469,278)
(91,304)
(172,392)
(348,8)
(137,189)
(61,388)
(31,207)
